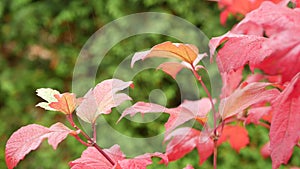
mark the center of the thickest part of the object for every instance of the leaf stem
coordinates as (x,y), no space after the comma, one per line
(94,131)
(215,137)
(91,142)
(215,154)
(208,95)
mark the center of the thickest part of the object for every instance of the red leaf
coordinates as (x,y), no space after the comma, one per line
(184,140)
(205,148)
(231,81)
(29,138)
(285,128)
(140,162)
(238,7)
(286,52)
(102,99)
(66,103)
(239,50)
(243,97)
(188,110)
(236,135)
(276,18)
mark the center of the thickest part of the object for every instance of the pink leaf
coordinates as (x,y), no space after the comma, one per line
(255,114)
(205,148)
(29,138)
(91,158)
(171,68)
(140,162)
(182,141)
(285,128)
(23,141)
(286,52)
(102,99)
(235,7)
(58,132)
(189,166)
(143,108)
(245,96)
(236,135)
(276,18)
(231,81)
(240,50)
(188,110)
(265,150)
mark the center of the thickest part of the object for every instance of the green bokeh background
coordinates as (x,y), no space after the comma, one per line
(40,42)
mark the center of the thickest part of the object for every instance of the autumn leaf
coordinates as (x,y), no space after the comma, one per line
(238,51)
(92,159)
(187,53)
(268,43)
(285,128)
(236,135)
(102,99)
(65,103)
(235,7)
(140,162)
(245,96)
(276,18)
(188,110)
(29,138)
(183,140)
(189,166)
(257,113)
(231,81)
(48,95)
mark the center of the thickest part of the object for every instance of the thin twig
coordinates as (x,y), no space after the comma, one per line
(90,140)
(215,137)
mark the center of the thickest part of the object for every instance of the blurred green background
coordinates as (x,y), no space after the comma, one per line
(40,42)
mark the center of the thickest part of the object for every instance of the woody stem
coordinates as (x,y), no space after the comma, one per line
(90,140)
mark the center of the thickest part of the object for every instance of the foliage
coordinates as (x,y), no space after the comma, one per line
(40,42)
(258,102)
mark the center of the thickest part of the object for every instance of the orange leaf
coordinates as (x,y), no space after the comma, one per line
(184,52)
(66,103)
